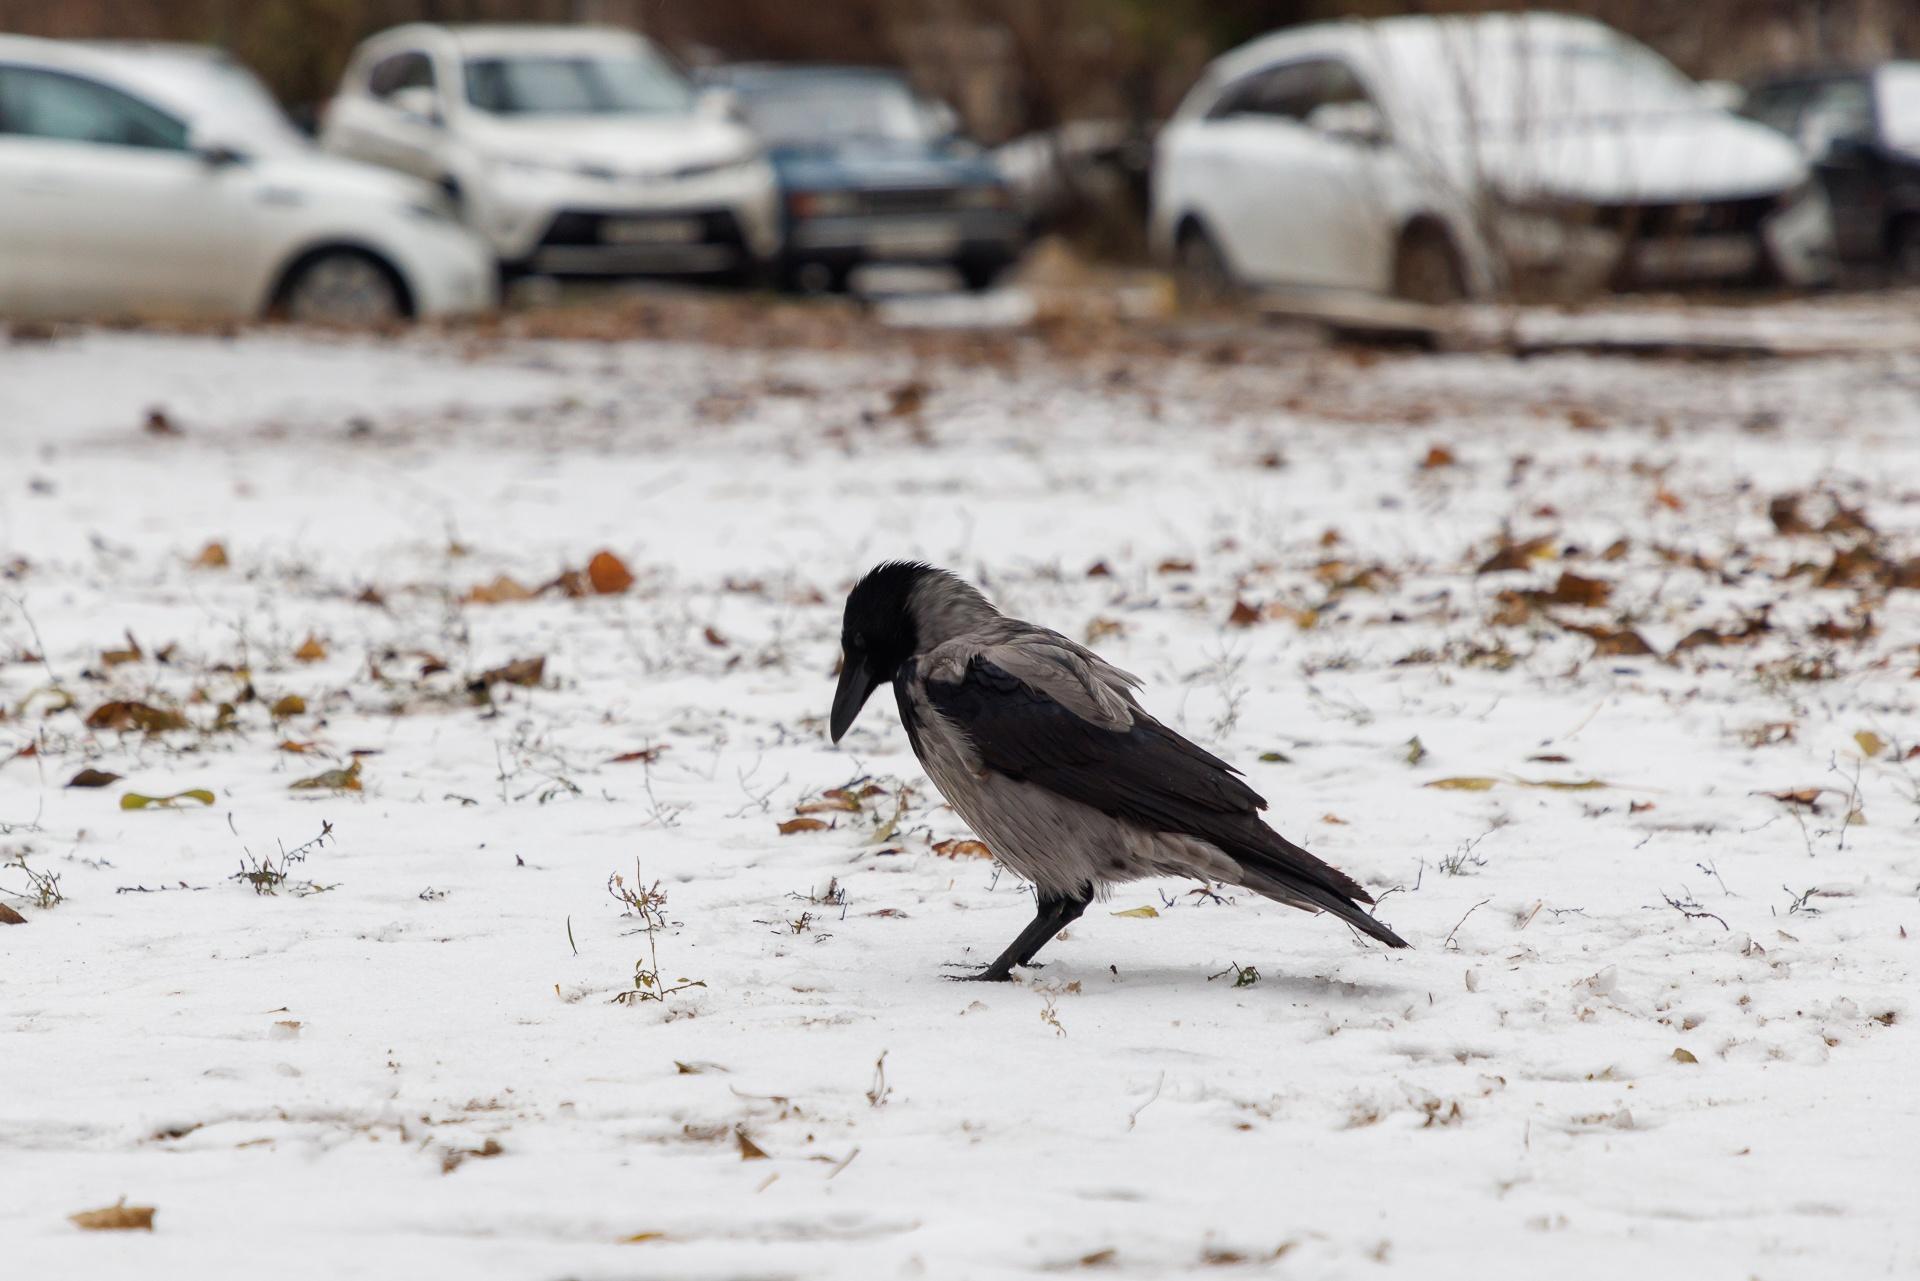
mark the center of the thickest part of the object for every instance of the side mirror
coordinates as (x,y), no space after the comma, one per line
(420,102)
(718,103)
(1359,123)
(1723,95)
(215,154)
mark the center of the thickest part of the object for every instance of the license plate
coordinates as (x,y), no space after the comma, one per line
(915,239)
(650,231)
(1698,256)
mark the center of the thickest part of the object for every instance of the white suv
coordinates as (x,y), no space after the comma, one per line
(142,182)
(573,150)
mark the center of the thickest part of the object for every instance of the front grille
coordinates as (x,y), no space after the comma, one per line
(578,228)
(1697,218)
(908,200)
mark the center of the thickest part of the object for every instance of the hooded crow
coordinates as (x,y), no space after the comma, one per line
(1039,744)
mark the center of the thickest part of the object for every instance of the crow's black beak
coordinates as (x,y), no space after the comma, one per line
(856,686)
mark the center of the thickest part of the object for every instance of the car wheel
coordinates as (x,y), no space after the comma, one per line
(1905,242)
(1203,277)
(342,287)
(1425,267)
(981,274)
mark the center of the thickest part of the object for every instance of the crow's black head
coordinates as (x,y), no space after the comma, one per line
(877,635)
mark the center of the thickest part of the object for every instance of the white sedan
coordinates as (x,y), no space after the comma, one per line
(573,150)
(1437,158)
(126,197)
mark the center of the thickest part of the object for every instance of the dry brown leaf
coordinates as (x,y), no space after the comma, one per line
(1138,913)
(1099,570)
(10,917)
(1335,819)
(1101,628)
(521,671)
(1462,784)
(140,716)
(1174,565)
(832,802)
(608,574)
(793,825)
(1437,456)
(1806,797)
(131,654)
(118,1217)
(1510,555)
(1619,642)
(645,755)
(502,590)
(1243,615)
(715,639)
(1871,744)
(93,778)
(1684,1056)
(333,780)
(960,847)
(287,705)
(212,556)
(311,650)
(749,1150)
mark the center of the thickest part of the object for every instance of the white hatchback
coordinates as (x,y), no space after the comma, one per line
(161,183)
(1436,158)
(573,150)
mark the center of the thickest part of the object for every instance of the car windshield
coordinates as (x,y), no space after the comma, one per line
(1505,84)
(226,100)
(801,109)
(1898,89)
(577,85)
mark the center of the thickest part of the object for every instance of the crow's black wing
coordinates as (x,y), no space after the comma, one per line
(1145,774)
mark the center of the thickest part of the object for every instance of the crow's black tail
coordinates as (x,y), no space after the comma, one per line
(1284,872)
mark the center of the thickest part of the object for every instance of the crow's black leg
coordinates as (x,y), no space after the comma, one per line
(1066,913)
(1045,924)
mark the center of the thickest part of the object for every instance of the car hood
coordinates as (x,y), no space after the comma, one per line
(1706,155)
(627,144)
(830,166)
(306,171)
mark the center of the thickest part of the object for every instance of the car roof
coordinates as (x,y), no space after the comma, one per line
(115,65)
(1400,43)
(493,39)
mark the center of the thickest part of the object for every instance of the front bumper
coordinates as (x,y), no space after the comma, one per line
(1789,238)
(934,237)
(601,242)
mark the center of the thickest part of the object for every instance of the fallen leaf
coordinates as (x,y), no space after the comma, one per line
(1416,751)
(1175,566)
(502,590)
(1784,511)
(843,802)
(311,650)
(1684,1056)
(118,1217)
(1808,797)
(93,778)
(1243,615)
(140,716)
(641,1238)
(608,574)
(1099,570)
(521,671)
(333,780)
(10,917)
(1871,744)
(1141,913)
(749,1150)
(1620,642)
(1101,628)
(287,705)
(1463,784)
(131,654)
(212,556)
(1437,456)
(647,755)
(961,848)
(793,825)
(1333,818)
(1510,555)
(158,424)
(715,639)
(296,747)
(137,801)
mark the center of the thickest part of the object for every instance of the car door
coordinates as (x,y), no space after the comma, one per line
(398,119)
(108,210)
(1297,204)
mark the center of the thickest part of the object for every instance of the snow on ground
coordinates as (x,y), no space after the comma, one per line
(1656,1019)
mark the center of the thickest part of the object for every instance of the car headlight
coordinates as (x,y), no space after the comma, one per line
(822,204)
(708,168)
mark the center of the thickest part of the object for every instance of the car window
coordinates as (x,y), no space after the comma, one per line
(1291,91)
(1778,106)
(1838,109)
(38,103)
(409,70)
(638,83)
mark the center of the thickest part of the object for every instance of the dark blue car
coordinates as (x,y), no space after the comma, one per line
(870,172)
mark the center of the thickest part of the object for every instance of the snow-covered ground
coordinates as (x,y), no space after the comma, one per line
(1657,1021)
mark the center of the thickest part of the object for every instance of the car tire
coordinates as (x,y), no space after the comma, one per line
(981,274)
(1426,269)
(344,288)
(1903,246)
(1202,274)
